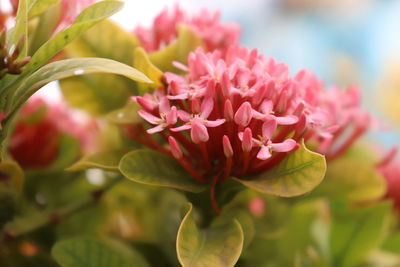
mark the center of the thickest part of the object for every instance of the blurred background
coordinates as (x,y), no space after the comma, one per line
(345,42)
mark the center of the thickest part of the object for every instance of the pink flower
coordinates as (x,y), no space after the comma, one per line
(390,169)
(206,24)
(35,142)
(244,113)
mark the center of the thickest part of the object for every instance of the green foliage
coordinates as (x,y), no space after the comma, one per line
(178,50)
(37,7)
(355,232)
(20,29)
(154,168)
(106,160)
(86,19)
(126,115)
(353,179)
(142,62)
(91,252)
(299,173)
(218,245)
(11,176)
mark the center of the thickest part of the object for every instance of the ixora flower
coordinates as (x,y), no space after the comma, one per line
(335,117)
(35,142)
(206,24)
(233,114)
(389,167)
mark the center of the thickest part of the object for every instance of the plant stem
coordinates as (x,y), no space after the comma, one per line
(59,214)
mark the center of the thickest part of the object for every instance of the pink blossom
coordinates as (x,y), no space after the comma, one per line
(389,167)
(245,114)
(205,23)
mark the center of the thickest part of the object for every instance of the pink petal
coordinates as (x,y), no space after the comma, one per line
(178,97)
(247,140)
(180,66)
(164,105)
(181,128)
(145,103)
(214,123)
(148,117)
(175,149)
(183,115)
(228,110)
(266,107)
(268,128)
(287,120)
(264,153)
(158,128)
(172,116)
(199,133)
(226,143)
(244,114)
(206,107)
(285,146)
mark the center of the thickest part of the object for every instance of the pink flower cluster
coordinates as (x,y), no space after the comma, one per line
(206,24)
(36,139)
(239,114)
(390,170)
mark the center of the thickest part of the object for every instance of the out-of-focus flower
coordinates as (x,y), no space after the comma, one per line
(206,24)
(335,116)
(35,142)
(390,169)
(69,9)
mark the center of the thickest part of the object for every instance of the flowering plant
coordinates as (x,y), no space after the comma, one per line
(228,159)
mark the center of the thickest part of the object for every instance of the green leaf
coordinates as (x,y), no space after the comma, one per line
(392,243)
(353,179)
(357,231)
(142,62)
(96,42)
(154,168)
(68,152)
(106,160)
(21,28)
(91,252)
(299,173)
(97,94)
(126,115)
(11,176)
(37,7)
(72,67)
(219,245)
(86,19)
(178,50)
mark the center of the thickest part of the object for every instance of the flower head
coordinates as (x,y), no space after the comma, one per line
(36,140)
(206,24)
(238,113)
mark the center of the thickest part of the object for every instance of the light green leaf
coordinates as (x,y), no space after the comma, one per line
(86,19)
(107,160)
(357,231)
(96,42)
(11,176)
(178,50)
(299,173)
(97,94)
(91,252)
(37,7)
(154,168)
(353,179)
(20,29)
(217,246)
(72,67)
(142,62)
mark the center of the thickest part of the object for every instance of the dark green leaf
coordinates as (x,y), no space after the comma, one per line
(91,252)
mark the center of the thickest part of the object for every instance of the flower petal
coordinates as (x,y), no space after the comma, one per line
(268,128)
(199,133)
(287,120)
(158,128)
(214,123)
(264,153)
(285,146)
(181,128)
(149,117)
